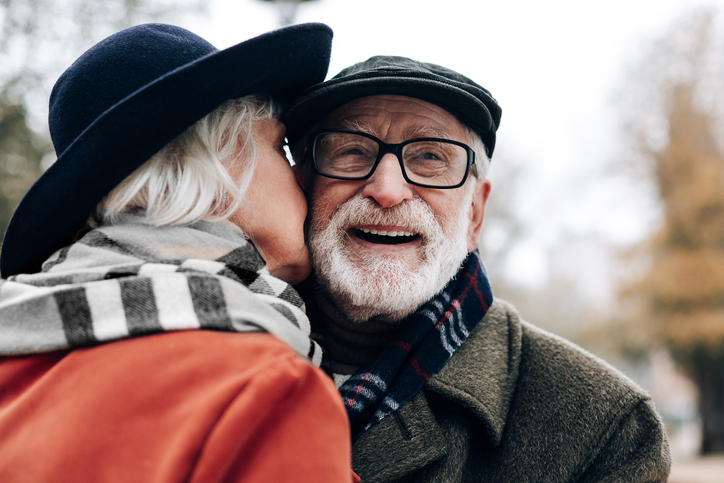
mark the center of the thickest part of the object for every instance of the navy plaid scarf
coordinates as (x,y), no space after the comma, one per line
(431,335)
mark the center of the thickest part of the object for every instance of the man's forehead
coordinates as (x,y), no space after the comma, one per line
(414,117)
(410,131)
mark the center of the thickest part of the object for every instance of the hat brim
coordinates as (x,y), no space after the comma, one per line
(317,102)
(283,62)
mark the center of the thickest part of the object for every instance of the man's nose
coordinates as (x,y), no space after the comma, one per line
(387,185)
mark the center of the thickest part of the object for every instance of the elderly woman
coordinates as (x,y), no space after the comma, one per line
(171,208)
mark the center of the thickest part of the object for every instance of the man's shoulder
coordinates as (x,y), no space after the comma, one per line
(508,366)
(550,407)
(550,357)
(515,403)
(582,409)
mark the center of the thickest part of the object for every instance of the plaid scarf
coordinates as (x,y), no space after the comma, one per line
(130,280)
(429,338)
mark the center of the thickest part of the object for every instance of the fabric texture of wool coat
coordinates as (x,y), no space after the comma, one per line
(517,404)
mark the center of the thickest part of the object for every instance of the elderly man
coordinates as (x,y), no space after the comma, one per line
(441,384)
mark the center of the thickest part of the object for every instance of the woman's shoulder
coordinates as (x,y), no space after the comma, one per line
(164,398)
(194,360)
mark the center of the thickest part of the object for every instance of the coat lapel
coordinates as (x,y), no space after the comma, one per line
(481,376)
(399,444)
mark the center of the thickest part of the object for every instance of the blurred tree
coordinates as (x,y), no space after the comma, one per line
(38,40)
(503,226)
(21,153)
(675,119)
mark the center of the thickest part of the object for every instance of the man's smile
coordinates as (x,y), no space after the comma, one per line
(385,236)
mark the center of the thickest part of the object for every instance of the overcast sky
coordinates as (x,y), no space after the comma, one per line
(555,68)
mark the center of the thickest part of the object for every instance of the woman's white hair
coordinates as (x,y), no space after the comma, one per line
(188,180)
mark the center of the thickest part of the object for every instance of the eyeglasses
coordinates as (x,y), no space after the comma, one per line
(426,162)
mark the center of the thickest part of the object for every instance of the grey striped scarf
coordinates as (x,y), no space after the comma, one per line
(130,279)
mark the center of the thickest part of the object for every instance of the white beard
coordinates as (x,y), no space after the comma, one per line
(365,284)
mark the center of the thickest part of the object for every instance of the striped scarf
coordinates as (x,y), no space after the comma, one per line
(430,337)
(130,280)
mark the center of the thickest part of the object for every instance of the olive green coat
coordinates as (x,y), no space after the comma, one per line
(517,404)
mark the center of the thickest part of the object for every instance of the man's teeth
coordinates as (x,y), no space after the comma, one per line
(387,233)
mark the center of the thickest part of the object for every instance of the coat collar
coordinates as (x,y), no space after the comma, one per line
(480,377)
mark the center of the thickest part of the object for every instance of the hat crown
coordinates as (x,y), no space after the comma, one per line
(395,66)
(122,64)
(387,64)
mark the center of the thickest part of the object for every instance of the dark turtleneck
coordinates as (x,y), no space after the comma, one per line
(346,344)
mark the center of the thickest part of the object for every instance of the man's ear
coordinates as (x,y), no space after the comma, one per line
(305,178)
(304,171)
(477,213)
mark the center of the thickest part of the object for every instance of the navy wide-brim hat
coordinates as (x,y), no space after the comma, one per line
(126,98)
(472,104)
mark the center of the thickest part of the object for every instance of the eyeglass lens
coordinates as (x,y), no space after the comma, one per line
(428,162)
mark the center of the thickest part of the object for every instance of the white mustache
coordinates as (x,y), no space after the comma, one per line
(413,215)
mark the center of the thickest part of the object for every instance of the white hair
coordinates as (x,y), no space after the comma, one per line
(188,180)
(482,161)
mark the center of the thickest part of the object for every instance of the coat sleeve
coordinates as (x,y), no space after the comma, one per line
(287,424)
(637,451)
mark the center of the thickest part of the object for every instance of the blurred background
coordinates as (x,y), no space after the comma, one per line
(606,220)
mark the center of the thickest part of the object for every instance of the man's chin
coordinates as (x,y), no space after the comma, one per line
(380,309)
(393,263)
(384,286)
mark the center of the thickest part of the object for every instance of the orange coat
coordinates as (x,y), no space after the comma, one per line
(191,406)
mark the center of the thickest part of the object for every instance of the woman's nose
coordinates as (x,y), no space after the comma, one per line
(387,185)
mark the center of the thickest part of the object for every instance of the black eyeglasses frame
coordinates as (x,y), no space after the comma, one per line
(385,148)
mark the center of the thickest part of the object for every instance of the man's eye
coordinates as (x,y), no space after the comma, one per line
(352,152)
(429,155)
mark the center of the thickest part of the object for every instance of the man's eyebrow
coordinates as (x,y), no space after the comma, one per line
(357,125)
(411,133)
(426,132)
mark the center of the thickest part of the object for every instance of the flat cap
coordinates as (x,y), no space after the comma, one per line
(380,75)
